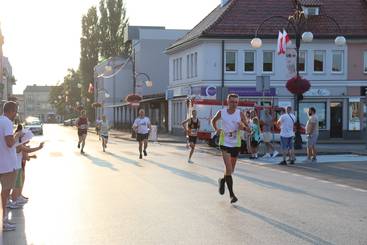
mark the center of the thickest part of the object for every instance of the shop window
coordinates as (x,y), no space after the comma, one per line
(230,61)
(249,65)
(354,115)
(320,112)
(268,58)
(319,61)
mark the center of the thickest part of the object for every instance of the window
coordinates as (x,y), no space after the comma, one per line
(180,68)
(365,62)
(174,69)
(249,65)
(302,61)
(230,61)
(355,114)
(268,61)
(318,61)
(196,64)
(320,112)
(311,10)
(188,66)
(337,65)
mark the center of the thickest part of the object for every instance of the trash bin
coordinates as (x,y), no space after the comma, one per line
(153,135)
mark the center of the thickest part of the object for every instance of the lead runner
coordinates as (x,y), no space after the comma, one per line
(229,140)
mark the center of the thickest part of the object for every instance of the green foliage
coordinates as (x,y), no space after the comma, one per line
(89,46)
(112,25)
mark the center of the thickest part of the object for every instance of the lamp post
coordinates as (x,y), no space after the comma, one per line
(298,23)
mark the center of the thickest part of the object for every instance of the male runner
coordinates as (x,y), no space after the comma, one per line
(191,127)
(82,125)
(142,126)
(229,140)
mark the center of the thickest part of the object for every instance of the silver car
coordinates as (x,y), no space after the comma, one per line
(34,124)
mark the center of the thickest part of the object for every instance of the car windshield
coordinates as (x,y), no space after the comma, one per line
(32,121)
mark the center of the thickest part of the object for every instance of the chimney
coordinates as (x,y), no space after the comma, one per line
(224,2)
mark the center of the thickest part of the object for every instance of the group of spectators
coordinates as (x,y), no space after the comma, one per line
(14,152)
(287,124)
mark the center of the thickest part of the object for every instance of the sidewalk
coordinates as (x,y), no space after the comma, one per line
(325,147)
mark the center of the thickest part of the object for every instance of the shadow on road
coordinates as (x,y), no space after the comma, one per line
(124,159)
(185,174)
(273,185)
(312,239)
(100,163)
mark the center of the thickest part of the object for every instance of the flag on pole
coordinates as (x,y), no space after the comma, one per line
(280,46)
(90,88)
(286,40)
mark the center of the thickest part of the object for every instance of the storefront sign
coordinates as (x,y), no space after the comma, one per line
(250,92)
(210,91)
(317,92)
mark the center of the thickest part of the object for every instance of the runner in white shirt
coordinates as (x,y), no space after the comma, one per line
(229,140)
(104,128)
(8,159)
(286,123)
(142,127)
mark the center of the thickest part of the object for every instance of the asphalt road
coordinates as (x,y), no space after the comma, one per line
(115,198)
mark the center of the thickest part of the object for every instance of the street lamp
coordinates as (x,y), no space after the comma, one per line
(298,22)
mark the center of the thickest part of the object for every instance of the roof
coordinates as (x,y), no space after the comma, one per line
(240,19)
(311,2)
(36,88)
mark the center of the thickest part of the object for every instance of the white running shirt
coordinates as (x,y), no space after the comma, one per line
(142,124)
(230,127)
(8,155)
(104,128)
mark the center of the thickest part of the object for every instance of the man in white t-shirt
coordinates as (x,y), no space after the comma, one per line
(142,127)
(8,159)
(286,123)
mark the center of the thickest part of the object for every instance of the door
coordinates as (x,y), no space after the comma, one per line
(336,120)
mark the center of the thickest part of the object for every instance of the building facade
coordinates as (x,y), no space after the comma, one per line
(36,103)
(216,58)
(147,62)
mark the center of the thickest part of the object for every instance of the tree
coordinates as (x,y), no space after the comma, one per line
(89,49)
(112,25)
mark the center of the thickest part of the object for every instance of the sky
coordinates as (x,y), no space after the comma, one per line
(41,37)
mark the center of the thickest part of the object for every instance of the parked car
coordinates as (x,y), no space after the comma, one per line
(34,124)
(70,122)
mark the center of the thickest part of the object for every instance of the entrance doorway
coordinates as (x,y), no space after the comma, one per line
(336,120)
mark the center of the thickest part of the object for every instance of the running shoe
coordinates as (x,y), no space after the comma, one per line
(21,201)
(234,199)
(275,153)
(314,160)
(283,163)
(189,161)
(13,205)
(292,162)
(8,227)
(221,183)
(140,156)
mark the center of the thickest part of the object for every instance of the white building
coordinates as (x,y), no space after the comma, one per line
(217,53)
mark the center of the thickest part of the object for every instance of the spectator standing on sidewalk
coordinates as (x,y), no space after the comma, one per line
(255,137)
(312,131)
(142,127)
(268,127)
(286,123)
(8,159)
(191,127)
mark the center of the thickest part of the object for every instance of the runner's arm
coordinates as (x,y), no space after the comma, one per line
(243,123)
(184,123)
(214,122)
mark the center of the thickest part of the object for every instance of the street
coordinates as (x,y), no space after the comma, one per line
(114,198)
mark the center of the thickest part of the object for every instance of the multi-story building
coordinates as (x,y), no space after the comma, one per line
(217,54)
(36,102)
(21,106)
(147,61)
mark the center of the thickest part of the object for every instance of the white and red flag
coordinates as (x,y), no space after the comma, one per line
(286,40)
(280,44)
